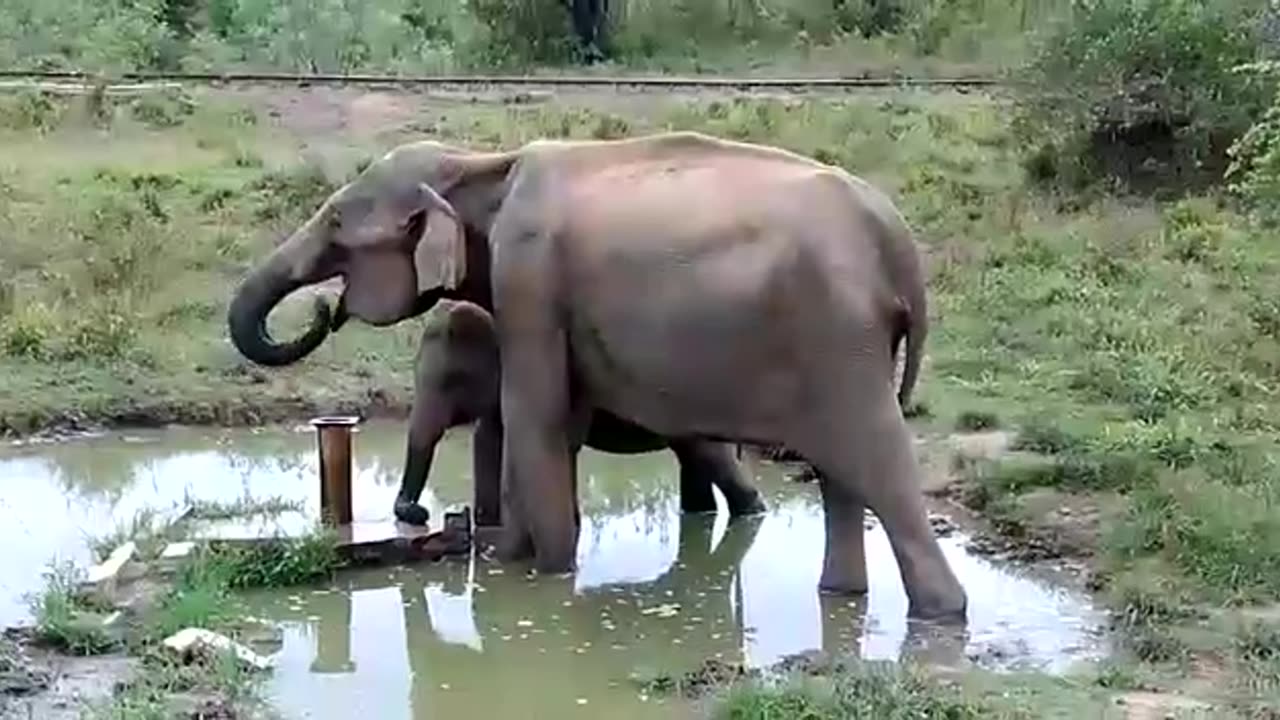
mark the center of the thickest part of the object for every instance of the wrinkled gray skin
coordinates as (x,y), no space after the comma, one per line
(456,376)
(700,288)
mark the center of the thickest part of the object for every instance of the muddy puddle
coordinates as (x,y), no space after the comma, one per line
(656,591)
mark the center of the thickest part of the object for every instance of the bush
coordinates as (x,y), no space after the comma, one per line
(1255,169)
(1142,92)
(101,35)
(161,111)
(522,31)
(31,110)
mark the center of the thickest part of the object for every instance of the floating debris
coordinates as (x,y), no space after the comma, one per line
(708,676)
(665,610)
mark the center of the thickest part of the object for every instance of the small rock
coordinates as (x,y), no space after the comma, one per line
(101,578)
(177,551)
(190,641)
(942,525)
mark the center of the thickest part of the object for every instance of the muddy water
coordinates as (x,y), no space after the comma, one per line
(655,590)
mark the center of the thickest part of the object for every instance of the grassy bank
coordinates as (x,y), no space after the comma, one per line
(202,592)
(125,227)
(1131,345)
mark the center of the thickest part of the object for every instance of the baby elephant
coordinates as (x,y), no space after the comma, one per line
(456,382)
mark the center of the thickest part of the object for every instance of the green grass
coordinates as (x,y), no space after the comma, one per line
(280,563)
(63,619)
(242,508)
(874,692)
(148,528)
(864,689)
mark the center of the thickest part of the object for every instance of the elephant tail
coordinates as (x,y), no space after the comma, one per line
(913,329)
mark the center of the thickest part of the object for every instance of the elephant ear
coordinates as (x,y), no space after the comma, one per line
(440,256)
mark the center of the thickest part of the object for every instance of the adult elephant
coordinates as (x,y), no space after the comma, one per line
(691,285)
(456,379)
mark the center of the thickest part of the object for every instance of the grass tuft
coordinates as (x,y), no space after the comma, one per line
(867,690)
(63,619)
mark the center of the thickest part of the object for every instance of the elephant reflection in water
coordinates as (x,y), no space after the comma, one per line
(541,634)
(504,644)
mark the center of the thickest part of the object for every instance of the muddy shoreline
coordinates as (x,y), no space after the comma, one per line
(235,413)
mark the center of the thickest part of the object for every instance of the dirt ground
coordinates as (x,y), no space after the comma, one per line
(39,683)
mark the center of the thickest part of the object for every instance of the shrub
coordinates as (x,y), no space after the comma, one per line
(1254,173)
(522,31)
(102,35)
(28,332)
(161,111)
(1141,92)
(31,110)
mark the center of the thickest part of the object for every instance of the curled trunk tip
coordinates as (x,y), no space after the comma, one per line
(247,321)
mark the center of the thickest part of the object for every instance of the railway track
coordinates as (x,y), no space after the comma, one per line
(427,82)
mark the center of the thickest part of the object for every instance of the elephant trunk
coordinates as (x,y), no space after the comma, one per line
(253,302)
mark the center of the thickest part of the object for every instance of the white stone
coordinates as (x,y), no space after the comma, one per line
(177,551)
(189,640)
(102,577)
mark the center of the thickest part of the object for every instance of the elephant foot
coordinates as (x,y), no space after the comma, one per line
(843,587)
(411,513)
(746,507)
(512,545)
(844,575)
(554,564)
(941,601)
(950,612)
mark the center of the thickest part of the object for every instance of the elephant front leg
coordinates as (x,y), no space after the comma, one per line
(486,465)
(538,468)
(427,424)
(704,464)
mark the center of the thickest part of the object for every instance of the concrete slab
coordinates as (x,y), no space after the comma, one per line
(173,556)
(194,640)
(177,551)
(380,542)
(102,578)
(399,543)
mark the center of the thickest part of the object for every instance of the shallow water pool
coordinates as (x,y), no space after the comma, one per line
(656,591)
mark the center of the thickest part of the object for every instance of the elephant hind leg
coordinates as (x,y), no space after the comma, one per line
(862,449)
(705,464)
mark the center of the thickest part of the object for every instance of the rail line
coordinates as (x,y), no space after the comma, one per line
(526,81)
